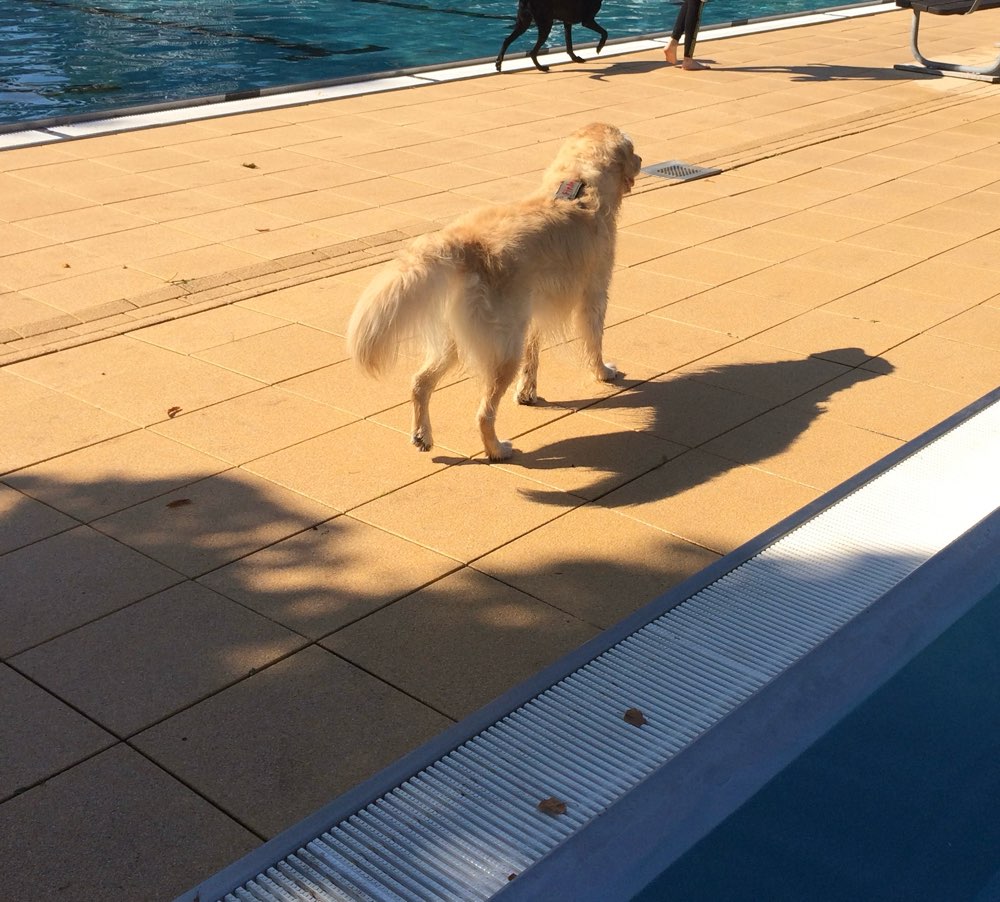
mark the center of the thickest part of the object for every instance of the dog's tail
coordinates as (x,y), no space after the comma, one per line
(404,302)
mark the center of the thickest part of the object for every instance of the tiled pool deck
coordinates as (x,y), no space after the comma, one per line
(230,589)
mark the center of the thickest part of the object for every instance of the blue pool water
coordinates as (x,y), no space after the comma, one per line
(70,57)
(897,802)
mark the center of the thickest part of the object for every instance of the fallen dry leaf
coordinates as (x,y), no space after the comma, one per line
(173,411)
(635,717)
(552,806)
(180,502)
(249,165)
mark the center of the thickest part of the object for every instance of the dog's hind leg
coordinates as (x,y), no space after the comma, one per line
(568,31)
(544,27)
(526,391)
(496,386)
(424,383)
(593,26)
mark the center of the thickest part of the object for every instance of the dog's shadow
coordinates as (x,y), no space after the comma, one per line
(692,411)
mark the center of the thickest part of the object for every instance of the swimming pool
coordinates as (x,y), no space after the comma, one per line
(69,57)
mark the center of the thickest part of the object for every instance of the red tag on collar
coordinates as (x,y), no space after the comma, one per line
(569,190)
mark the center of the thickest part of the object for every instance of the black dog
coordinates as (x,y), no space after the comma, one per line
(543,13)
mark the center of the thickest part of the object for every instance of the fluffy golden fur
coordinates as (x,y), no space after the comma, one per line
(484,289)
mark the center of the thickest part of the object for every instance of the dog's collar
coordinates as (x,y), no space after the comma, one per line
(569,190)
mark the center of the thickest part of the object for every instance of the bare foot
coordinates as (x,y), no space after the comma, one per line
(692,64)
(670,53)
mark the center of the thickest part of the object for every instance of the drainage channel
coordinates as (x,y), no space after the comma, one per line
(467,815)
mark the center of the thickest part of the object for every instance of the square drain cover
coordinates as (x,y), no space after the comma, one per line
(678,171)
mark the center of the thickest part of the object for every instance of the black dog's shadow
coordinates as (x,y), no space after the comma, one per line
(675,410)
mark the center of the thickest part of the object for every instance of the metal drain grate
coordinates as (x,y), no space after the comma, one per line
(680,172)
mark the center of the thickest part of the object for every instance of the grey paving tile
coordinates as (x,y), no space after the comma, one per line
(328,576)
(461,641)
(275,747)
(161,654)
(67,580)
(213,522)
(24,520)
(114,827)
(40,735)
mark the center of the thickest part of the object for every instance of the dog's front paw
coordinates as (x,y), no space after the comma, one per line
(577,59)
(502,451)
(424,441)
(608,372)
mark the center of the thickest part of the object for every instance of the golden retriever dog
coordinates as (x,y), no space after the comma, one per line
(485,289)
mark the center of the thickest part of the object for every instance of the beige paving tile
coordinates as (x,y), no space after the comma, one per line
(445,511)
(675,497)
(682,409)
(62,838)
(453,417)
(78,294)
(27,200)
(640,288)
(313,205)
(190,264)
(63,582)
(40,735)
(753,368)
(208,329)
(885,404)
(903,239)
(587,456)
(111,475)
(328,300)
(970,370)
(73,225)
(18,311)
(252,425)
(683,228)
(795,441)
(236,222)
(15,239)
(890,303)
(24,520)
(734,313)
(977,326)
(213,522)
(162,654)
(48,264)
(596,565)
(804,285)
(122,187)
(814,331)
(329,576)
(660,345)
(329,726)
(983,253)
(37,430)
(704,262)
(174,204)
(461,641)
(345,386)
(278,354)
(867,264)
(165,387)
(347,467)
(816,223)
(273,244)
(766,243)
(139,243)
